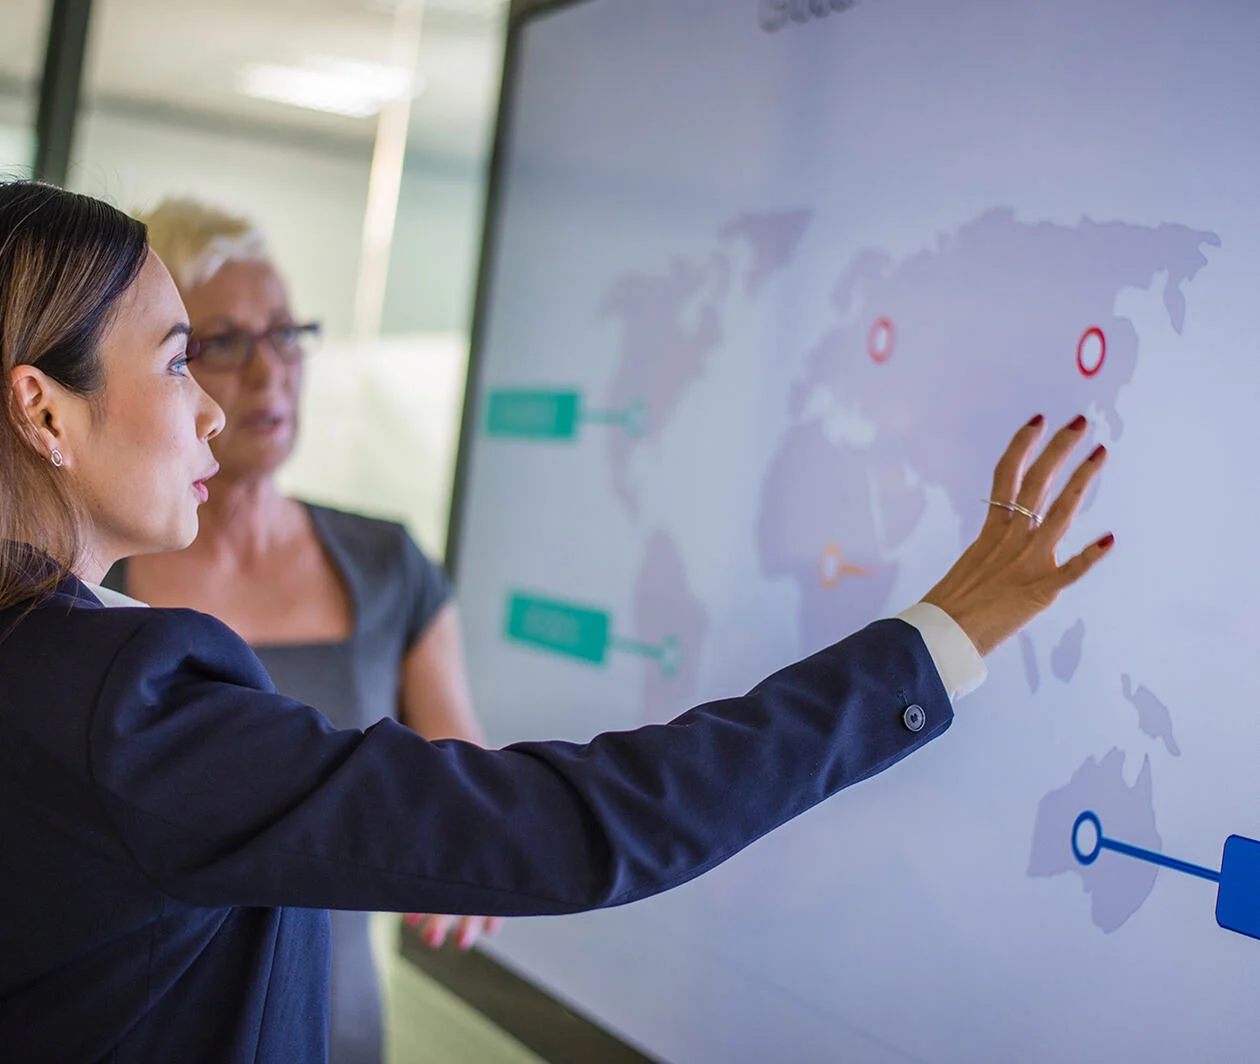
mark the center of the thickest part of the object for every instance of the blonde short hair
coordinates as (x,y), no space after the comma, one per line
(196,239)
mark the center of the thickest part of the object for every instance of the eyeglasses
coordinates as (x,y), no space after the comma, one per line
(235,349)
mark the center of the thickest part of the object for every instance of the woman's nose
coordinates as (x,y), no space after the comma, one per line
(210,419)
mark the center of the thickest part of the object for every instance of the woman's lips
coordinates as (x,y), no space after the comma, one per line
(199,486)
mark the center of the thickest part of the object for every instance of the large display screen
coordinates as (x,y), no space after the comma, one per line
(772,283)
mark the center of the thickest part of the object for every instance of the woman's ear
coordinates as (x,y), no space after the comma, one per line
(38,403)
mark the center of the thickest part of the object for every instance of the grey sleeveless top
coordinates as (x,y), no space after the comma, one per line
(395,592)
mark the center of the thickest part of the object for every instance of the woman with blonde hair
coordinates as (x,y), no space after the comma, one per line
(344,611)
(175,830)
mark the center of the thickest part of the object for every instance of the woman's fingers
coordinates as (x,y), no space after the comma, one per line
(434,929)
(467,932)
(1004,579)
(474,928)
(1069,573)
(1040,476)
(1060,516)
(1010,469)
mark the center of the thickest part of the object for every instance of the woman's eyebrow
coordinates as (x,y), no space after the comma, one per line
(180,329)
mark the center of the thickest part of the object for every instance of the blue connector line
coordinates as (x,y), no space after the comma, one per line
(1104,843)
(1238,881)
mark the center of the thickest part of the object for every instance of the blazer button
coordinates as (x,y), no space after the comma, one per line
(914,718)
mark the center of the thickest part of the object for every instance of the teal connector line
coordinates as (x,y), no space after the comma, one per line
(633,418)
(554,416)
(579,632)
(666,654)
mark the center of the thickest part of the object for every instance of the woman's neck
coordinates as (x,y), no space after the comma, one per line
(244,519)
(90,569)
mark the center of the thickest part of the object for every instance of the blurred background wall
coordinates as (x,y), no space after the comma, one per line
(272,108)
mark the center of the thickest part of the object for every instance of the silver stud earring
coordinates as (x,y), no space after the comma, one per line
(57,460)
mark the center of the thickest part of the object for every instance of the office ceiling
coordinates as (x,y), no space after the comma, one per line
(174,58)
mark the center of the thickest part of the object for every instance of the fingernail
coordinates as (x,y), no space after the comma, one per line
(1099,451)
(1035,422)
(1106,542)
(1078,424)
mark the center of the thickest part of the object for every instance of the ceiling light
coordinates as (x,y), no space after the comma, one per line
(326,83)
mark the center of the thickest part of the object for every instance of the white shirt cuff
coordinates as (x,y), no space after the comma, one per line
(961,667)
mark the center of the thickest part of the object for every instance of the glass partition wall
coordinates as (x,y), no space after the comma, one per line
(355,134)
(22,47)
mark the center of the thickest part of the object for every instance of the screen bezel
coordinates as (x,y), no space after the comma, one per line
(521,14)
(546,1025)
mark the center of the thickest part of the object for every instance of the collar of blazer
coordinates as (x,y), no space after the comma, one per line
(39,566)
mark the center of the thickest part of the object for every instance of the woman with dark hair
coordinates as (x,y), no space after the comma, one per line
(174,830)
(344,611)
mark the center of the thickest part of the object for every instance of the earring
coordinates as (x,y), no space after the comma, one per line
(57,460)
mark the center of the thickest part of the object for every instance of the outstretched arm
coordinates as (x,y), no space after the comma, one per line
(227,793)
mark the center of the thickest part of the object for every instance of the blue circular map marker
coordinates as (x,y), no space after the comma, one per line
(1087,817)
(1137,852)
(1238,881)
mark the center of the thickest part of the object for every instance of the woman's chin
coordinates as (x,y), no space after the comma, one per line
(189,534)
(181,538)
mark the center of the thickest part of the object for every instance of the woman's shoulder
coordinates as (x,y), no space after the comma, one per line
(140,643)
(356,530)
(376,545)
(385,563)
(194,647)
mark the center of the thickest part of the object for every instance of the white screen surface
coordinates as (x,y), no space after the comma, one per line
(766,302)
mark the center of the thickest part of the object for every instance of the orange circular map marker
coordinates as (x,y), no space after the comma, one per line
(881,340)
(832,568)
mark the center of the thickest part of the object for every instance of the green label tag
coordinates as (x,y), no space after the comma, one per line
(577,631)
(533,415)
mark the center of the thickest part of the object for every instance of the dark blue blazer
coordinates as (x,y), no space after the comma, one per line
(172,831)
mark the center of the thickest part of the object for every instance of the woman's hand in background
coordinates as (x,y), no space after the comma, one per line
(1011,572)
(434,929)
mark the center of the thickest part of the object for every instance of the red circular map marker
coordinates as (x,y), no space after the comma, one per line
(1092,333)
(881,340)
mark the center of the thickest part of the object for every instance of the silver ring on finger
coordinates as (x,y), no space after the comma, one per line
(1015,508)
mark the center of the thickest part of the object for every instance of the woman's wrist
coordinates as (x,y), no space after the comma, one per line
(956,658)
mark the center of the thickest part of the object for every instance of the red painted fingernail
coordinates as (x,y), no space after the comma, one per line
(1035,421)
(1099,451)
(1106,542)
(1078,424)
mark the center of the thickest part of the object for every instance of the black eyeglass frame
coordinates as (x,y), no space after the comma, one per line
(303,342)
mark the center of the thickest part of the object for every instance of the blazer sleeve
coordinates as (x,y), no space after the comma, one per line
(226,793)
